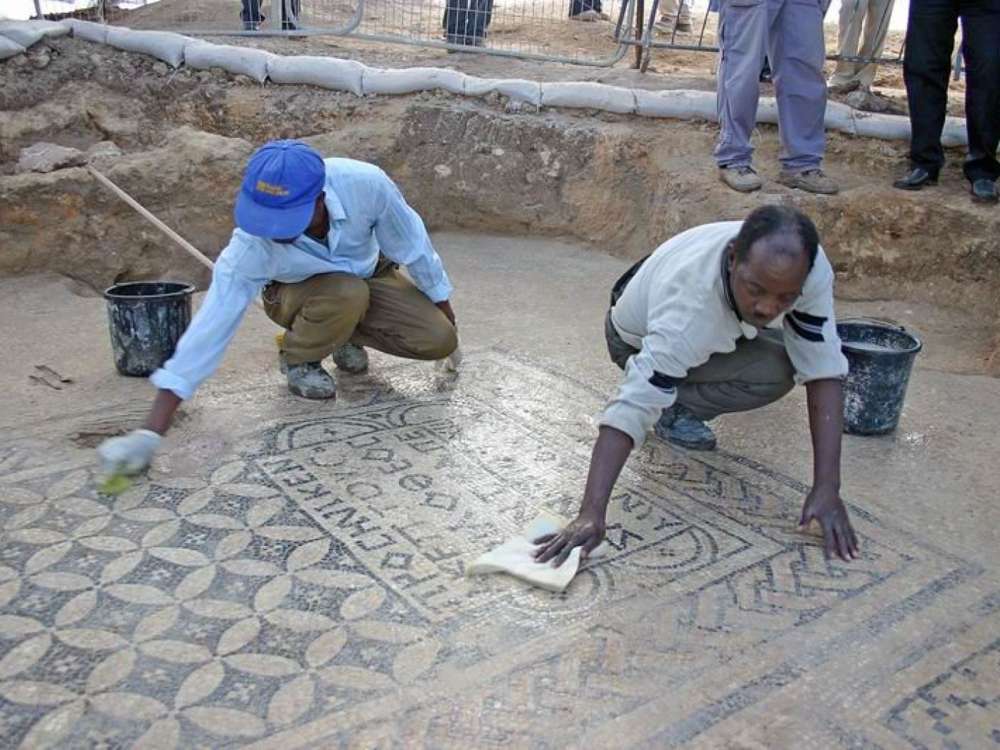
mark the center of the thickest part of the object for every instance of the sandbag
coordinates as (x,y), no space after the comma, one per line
(163,45)
(954,132)
(20,33)
(86,30)
(515,88)
(767,110)
(326,72)
(887,127)
(588,95)
(840,117)
(245,61)
(27,33)
(9,48)
(50,28)
(408,80)
(682,104)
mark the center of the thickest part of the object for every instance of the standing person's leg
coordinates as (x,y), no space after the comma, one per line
(852,16)
(668,16)
(401,321)
(930,36)
(250,15)
(873,41)
(290,15)
(451,18)
(478,14)
(489,15)
(981,48)
(797,56)
(743,35)
(586,10)
(684,24)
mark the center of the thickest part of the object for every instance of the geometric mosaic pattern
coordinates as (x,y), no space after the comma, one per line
(310,589)
(959,708)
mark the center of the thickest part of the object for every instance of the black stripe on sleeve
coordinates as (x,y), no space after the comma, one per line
(663,382)
(803,332)
(807,319)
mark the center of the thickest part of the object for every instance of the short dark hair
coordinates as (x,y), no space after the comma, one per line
(769,220)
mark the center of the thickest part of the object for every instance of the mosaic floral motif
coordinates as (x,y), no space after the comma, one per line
(320,570)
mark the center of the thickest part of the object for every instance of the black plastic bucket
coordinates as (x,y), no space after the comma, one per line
(880,355)
(146,320)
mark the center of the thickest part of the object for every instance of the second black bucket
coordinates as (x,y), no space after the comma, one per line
(146,320)
(880,356)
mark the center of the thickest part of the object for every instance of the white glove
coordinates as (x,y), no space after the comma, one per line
(452,361)
(128,454)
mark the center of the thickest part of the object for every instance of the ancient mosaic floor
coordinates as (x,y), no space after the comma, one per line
(308,591)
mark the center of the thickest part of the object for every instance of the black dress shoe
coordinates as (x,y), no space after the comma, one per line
(917,179)
(985,191)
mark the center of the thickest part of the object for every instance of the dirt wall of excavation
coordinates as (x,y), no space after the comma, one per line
(620,184)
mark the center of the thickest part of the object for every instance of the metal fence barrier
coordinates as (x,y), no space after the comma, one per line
(568,31)
(586,32)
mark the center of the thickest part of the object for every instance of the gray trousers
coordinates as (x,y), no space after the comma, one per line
(790,33)
(756,374)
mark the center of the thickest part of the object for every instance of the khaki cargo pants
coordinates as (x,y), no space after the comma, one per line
(386,312)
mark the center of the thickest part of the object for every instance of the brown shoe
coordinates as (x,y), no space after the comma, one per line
(833,87)
(811,180)
(741,179)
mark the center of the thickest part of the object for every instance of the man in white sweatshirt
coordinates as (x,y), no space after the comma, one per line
(722,318)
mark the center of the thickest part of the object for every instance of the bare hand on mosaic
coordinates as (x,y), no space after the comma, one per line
(824,505)
(586,532)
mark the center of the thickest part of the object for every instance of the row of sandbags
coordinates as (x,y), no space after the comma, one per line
(349,75)
(17,36)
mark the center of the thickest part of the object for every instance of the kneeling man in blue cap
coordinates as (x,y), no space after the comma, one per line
(322,242)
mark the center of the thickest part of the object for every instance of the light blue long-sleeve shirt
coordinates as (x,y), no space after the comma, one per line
(367,214)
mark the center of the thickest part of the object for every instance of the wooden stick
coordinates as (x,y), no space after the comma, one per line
(191,249)
(194,252)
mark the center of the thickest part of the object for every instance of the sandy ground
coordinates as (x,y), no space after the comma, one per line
(906,627)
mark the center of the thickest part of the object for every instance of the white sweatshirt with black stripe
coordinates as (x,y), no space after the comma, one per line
(677,312)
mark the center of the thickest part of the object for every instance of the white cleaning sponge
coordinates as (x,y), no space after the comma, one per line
(516,557)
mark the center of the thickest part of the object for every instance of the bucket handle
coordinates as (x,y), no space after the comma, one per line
(868,319)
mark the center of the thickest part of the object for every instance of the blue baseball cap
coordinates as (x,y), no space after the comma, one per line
(280,185)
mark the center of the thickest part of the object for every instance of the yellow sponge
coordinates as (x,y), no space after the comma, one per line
(115,484)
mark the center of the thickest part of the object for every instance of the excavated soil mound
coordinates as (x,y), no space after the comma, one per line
(620,184)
